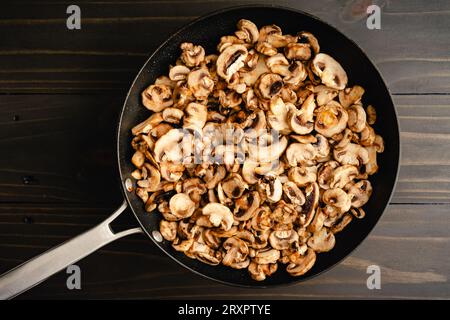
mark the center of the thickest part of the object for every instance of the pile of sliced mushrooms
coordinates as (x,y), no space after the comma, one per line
(255,210)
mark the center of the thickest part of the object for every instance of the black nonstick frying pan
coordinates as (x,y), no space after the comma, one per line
(206,31)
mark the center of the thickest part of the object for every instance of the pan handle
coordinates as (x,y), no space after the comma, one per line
(36,270)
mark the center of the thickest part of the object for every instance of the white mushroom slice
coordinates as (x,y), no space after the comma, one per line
(277,116)
(148,124)
(283,239)
(350,96)
(172,115)
(278,64)
(168,146)
(192,55)
(236,253)
(195,118)
(303,264)
(273,187)
(301,121)
(325,174)
(157,97)
(330,71)
(371,165)
(170,171)
(299,153)
(267,152)
(234,186)
(268,86)
(246,206)
(343,175)
(259,272)
(324,94)
(181,206)
(231,60)
(248,171)
(178,73)
(356,118)
(247,31)
(168,229)
(200,83)
(297,51)
(331,119)
(352,154)
(322,241)
(250,78)
(267,256)
(302,176)
(360,193)
(311,203)
(219,215)
(293,193)
(337,198)
(309,38)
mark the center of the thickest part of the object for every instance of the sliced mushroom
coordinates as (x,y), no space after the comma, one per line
(297,51)
(231,60)
(343,175)
(170,171)
(293,193)
(356,118)
(310,205)
(259,272)
(196,115)
(219,215)
(267,256)
(301,121)
(268,86)
(299,153)
(234,186)
(330,71)
(371,114)
(181,205)
(277,116)
(168,229)
(272,185)
(172,115)
(309,38)
(322,241)
(371,165)
(265,153)
(147,125)
(200,83)
(283,239)
(303,176)
(350,96)
(178,73)
(337,198)
(157,97)
(236,255)
(324,94)
(360,193)
(247,31)
(303,264)
(318,221)
(331,119)
(192,55)
(352,154)
(262,220)
(246,206)
(341,223)
(168,146)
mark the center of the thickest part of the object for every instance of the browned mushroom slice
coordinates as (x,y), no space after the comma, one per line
(259,272)
(318,221)
(331,119)
(148,124)
(325,174)
(352,154)
(192,55)
(266,256)
(178,73)
(341,223)
(371,115)
(246,206)
(236,253)
(301,121)
(303,176)
(303,264)
(297,51)
(356,118)
(272,185)
(343,175)
(157,97)
(293,193)
(219,215)
(172,115)
(330,71)
(350,96)
(200,83)
(337,198)
(309,38)
(247,31)
(168,229)
(268,86)
(322,241)
(283,239)
(324,94)
(360,193)
(196,115)
(231,60)
(262,219)
(310,205)
(234,186)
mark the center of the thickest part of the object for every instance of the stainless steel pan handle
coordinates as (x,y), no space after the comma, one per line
(36,270)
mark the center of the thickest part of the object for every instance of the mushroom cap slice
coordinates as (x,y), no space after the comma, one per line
(322,241)
(181,205)
(273,187)
(267,153)
(360,193)
(301,121)
(200,83)
(259,272)
(192,55)
(299,153)
(325,174)
(350,96)
(231,60)
(352,154)
(234,186)
(303,264)
(246,206)
(310,205)
(195,118)
(178,73)
(293,193)
(343,175)
(356,118)
(331,119)
(247,31)
(266,256)
(283,239)
(303,176)
(337,198)
(329,71)
(157,97)
(219,215)
(268,85)
(168,229)
(168,145)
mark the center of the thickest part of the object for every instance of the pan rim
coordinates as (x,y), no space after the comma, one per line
(295,280)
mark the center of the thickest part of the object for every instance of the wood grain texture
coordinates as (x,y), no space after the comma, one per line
(117,37)
(134,268)
(66,146)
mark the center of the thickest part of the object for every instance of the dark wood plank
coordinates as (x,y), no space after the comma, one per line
(40,55)
(64,146)
(408,244)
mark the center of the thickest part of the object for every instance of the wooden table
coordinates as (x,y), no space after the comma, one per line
(61,91)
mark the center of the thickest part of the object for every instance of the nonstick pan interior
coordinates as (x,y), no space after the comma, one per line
(207,31)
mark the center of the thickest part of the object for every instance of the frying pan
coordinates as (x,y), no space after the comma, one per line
(206,31)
